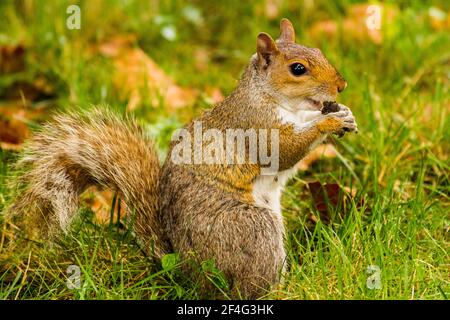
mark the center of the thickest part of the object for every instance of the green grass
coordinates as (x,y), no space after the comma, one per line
(399,162)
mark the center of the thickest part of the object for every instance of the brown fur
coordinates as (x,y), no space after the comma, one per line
(205,209)
(77,150)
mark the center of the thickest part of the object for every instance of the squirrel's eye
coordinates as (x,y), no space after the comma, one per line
(297,69)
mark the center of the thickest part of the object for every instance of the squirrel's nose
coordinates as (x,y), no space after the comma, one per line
(341,85)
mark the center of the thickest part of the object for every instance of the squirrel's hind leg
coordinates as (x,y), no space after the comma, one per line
(244,241)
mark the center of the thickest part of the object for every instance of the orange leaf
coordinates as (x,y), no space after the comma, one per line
(12,133)
(136,75)
(12,59)
(362,21)
(331,197)
(100,203)
(14,117)
(322,151)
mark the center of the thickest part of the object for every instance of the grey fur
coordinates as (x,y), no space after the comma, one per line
(205,210)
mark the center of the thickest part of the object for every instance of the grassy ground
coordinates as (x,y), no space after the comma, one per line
(398,90)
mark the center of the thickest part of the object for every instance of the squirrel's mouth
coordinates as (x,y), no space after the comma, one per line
(314,104)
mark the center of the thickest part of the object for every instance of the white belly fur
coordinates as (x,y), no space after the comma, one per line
(267,189)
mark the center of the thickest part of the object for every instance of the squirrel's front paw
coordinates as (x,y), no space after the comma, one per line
(338,122)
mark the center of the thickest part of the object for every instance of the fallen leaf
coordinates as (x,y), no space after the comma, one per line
(213,95)
(15,113)
(38,89)
(12,131)
(202,58)
(100,202)
(136,75)
(10,146)
(439,19)
(323,151)
(272,9)
(331,197)
(115,46)
(12,59)
(14,117)
(362,21)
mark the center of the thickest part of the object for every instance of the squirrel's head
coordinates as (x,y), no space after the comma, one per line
(299,75)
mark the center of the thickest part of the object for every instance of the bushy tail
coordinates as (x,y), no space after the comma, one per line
(77,150)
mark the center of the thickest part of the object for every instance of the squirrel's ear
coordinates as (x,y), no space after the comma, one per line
(287,32)
(265,47)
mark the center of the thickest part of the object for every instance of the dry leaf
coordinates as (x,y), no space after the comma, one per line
(12,59)
(326,150)
(439,19)
(14,117)
(202,58)
(272,9)
(10,146)
(136,74)
(100,201)
(115,46)
(362,21)
(214,95)
(331,196)
(38,89)
(12,133)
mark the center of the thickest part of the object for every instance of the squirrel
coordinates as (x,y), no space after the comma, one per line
(230,213)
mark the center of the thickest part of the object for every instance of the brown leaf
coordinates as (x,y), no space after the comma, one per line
(10,146)
(14,117)
(202,58)
(214,95)
(331,197)
(439,19)
(115,46)
(16,110)
(136,74)
(323,151)
(272,9)
(12,59)
(38,89)
(12,133)
(363,21)
(100,202)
